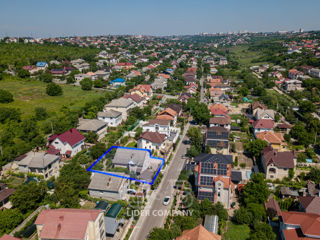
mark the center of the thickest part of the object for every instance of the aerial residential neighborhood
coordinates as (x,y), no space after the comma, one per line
(173,134)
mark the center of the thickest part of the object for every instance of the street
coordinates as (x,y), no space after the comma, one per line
(155,202)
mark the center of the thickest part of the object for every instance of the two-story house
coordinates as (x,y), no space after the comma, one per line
(213,178)
(262,125)
(217,138)
(68,143)
(108,186)
(276,165)
(122,105)
(111,117)
(40,163)
(220,122)
(68,223)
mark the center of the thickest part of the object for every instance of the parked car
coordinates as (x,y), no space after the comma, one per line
(166,200)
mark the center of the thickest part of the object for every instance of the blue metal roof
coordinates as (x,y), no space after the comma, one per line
(119,80)
(41,64)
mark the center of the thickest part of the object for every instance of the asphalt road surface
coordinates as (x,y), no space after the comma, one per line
(155,205)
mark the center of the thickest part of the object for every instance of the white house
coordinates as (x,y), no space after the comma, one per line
(68,143)
(122,105)
(157,125)
(111,117)
(262,125)
(265,114)
(152,141)
(108,187)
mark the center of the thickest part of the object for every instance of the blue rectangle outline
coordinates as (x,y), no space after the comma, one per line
(115,175)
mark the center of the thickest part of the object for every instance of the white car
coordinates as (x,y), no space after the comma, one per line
(166,200)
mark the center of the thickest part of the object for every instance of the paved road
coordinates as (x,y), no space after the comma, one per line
(202,91)
(155,204)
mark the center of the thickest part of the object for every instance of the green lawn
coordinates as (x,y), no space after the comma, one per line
(238,232)
(29,94)
(245,56)
(132,144)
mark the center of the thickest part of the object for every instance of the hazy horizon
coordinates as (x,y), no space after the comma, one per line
(35,18)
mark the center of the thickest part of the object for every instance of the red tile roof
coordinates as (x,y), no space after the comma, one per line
(272,204)
(263,123)
(72,137)
(154,137)
(219,106)
(198,233)
(5,193)
(280,159)
(308,222)
(8,237)
(311,204)
(65,223)
(135,97)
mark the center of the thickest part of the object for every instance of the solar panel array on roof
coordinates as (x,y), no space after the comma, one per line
(205,180)
(208,168)
(204,195)
(217,135)
(217,143)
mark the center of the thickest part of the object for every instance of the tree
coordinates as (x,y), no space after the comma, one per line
(243,91)
(28,196)
(306,107)
(5,96)
(300,133)
(9,219)
(256,190)
(46,77)
(206,207)
(53,89)
(86,84)
(74,175)
(98,83)
(314,175)
(243,216)
(195,136)
(41,113)
(9,114)
(97,150)
(22,73)
(185,222)
(66,195)
(255,147)
(91,137)
(262,231)
(160,234)
(201,114)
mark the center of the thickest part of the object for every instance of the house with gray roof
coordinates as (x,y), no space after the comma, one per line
(138,162)
(93,125)
(40,163)
(108,187)
(265,114)
(122,105)
(111,117)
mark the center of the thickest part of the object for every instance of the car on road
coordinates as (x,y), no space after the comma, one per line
(166,201)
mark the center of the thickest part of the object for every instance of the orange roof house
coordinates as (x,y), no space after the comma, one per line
(166,76)
(198,233)
(219,106)
(167,114)
(275,139)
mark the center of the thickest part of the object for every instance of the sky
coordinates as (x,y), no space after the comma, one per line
(53,18)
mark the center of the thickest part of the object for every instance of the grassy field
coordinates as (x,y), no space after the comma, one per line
(245,56)
(239,232)
(29,94)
